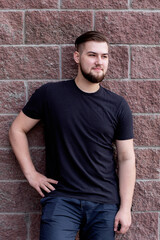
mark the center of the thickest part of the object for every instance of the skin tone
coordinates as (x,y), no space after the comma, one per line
(92,61)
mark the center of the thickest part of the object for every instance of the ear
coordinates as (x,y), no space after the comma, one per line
(76,56)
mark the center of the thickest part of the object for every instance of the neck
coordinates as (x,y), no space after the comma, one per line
(86,86)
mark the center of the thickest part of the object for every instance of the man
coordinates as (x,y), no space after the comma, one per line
(81,122)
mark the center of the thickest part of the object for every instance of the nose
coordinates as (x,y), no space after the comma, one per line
(98,60)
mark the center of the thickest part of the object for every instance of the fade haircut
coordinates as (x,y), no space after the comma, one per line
(90,36)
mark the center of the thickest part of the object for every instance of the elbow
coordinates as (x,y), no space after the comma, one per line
(127,158)
(13,131)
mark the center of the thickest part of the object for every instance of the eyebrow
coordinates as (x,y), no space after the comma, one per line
(97,53)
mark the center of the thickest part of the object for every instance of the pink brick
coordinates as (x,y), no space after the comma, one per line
(10,169)
(102,4)
(35,226)
(5,123)
(12,97)
(145,62)
(69,67)
(118,63)
(39,160)
(18,4)
(56,27)
(18,197)
(36,136)
(142,96)
(13,227)
(146,196)
(29,62)
(147,4)
(144,227)
(129,27)
(9,166)
(147,163)
(146,130)
(11,28)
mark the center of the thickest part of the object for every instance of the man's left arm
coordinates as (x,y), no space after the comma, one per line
(127,174)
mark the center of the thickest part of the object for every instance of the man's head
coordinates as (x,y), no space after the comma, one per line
(91,55)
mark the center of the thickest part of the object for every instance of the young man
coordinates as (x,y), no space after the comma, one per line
(81,122)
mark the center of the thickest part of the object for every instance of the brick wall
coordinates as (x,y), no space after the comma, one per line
(36,45)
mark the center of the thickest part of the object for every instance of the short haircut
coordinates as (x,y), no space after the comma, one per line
(90,36)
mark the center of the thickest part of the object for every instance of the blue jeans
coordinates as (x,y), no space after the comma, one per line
(62,218)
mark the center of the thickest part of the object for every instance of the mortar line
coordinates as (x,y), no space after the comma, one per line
(132,79)
(25,181)
(60,62)
(26,89)
(31,213)
(125,10)
(143,10)
(59,4)
(146,114)
(28,224)
(24,27)
(146,212)
(43,148)
(93,19)
(31,148)
(28,80)
(129,4)
(129,63)
(71,44)
(147,180)
(8,114)
(146,148)
(19,213)
(13,181)
(66,79)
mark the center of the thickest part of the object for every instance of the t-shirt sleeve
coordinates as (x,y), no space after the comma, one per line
(35,106)
(124,129)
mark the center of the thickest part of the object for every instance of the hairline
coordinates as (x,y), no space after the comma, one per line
(79,46)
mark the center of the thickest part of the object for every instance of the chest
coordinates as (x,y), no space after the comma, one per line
(91,116)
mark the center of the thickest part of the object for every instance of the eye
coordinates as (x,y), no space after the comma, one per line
(105,56)
(92,55)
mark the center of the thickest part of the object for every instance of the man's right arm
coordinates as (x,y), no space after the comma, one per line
(18,139)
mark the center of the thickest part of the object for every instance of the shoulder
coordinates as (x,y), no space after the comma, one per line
(117,102)
(111,96)
(53,86)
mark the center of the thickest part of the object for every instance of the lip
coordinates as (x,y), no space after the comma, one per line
(97,69)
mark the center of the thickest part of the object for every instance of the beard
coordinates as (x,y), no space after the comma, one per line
(93,78)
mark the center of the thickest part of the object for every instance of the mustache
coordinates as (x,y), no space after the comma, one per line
(98,66)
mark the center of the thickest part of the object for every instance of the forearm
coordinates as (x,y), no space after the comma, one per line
(127,174)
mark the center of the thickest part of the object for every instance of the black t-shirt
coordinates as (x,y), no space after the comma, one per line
(80,129)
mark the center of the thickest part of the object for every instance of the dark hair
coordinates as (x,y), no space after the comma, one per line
(90,36)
